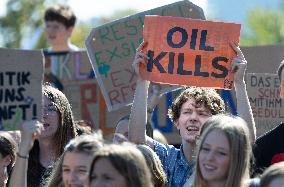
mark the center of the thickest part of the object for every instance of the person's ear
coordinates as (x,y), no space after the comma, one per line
(176,124)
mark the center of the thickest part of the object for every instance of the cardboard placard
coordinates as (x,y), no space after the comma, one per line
(111,49)
(184,51)
(21,77)
(88,102)
(267,106)
(73,74)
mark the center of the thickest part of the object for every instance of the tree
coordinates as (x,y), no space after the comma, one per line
(23,17)
(264,27)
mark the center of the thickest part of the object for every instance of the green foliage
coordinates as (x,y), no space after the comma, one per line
(22,16)
(265,27)
(80,33)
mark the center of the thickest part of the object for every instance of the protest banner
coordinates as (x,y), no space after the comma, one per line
(21,77)
(73,74)
(267,106)
(88,102)
(184,51)
(111,49)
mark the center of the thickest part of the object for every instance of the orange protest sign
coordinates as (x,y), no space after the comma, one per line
(190,52)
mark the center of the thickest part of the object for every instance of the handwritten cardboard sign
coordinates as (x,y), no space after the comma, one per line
(73,74)
(21,76)
(267,106)
(111,49)
(190,52)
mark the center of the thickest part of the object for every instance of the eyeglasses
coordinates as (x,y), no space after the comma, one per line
(50,110)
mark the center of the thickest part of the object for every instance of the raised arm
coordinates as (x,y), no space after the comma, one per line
(138,116)
(244,110)
(29,131)
(153,99)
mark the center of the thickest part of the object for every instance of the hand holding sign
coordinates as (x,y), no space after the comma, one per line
(239,65)
(30,130)
(190,52)
(140,58)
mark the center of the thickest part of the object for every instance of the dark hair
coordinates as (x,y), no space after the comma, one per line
(280,68)
(66,130)
(62,14)
(8,147)
(209,97)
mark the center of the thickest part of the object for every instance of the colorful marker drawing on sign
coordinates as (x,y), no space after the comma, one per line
(112,47)
(190,52)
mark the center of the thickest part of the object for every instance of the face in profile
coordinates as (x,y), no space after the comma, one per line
(191,119)
(75,169)
(214,157)
(104,174)
(50,118)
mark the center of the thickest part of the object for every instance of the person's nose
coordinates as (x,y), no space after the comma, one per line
(193,117)
(73,176)
(210,156)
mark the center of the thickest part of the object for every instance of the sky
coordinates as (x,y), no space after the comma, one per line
(218,10)
(221,10)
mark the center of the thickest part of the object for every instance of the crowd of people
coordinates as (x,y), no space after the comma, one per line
(217,149)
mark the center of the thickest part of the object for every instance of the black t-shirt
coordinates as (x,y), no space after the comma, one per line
(269,148)
(37,174)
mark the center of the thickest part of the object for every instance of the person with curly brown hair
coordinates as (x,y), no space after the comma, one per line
(189,111)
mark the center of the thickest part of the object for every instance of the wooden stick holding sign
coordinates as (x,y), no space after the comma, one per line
(191,52)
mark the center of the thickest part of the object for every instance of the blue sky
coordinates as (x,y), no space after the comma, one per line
(222,10)
(236,10)
(219,10)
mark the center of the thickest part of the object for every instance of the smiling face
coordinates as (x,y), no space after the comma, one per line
(75,169)
(50,118)
(105,175)
(191,119)
(214,157)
